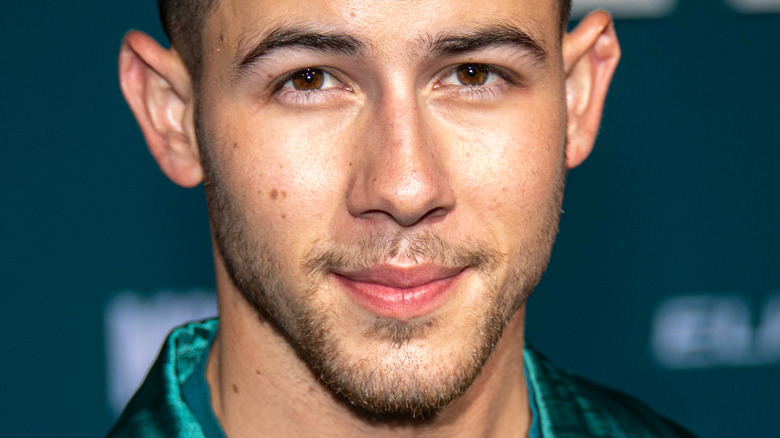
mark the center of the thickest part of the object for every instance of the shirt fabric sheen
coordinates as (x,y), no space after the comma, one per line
(174,400)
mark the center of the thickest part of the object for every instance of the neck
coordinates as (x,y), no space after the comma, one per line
(260,387)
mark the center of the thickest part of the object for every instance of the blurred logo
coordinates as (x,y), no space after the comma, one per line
(625,8)
(755,6)
(708,331)
(633,9)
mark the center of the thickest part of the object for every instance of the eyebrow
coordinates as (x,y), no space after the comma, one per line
(496,35)
(296,37)
(445,44)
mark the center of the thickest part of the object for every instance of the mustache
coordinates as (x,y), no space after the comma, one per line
(417,248)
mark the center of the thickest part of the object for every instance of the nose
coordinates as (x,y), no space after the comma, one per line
(399,171)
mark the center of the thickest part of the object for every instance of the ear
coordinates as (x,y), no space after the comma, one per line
(590,55)
(157,86)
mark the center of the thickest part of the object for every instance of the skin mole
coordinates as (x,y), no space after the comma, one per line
(274,194)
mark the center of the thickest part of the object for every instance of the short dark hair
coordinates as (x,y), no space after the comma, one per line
(183,22)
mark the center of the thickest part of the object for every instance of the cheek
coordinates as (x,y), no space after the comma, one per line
(508,160)
(283,172)
(507,167)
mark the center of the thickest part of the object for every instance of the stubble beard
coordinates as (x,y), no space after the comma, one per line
(394,379)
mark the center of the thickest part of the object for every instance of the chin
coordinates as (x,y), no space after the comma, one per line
(404,370)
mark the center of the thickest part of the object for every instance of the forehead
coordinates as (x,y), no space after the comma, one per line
(388,25)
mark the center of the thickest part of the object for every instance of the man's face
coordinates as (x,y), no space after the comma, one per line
(384,180)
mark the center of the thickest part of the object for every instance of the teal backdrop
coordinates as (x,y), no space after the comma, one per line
(665,280)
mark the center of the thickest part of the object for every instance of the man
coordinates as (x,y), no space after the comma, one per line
(384,181)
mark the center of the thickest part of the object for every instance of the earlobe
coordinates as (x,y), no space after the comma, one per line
(158,89)
(590,54)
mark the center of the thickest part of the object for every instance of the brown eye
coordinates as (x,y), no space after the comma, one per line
(473,74)
(308,79)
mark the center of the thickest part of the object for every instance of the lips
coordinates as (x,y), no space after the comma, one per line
(400,292)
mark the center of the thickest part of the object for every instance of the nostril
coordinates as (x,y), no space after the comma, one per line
(435,213)
(405,218)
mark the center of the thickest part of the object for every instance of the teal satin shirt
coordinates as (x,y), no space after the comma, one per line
(174,399)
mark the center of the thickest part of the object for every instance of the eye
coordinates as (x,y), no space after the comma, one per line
(310,79)
(311,86)
(475,81)
(471,75)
